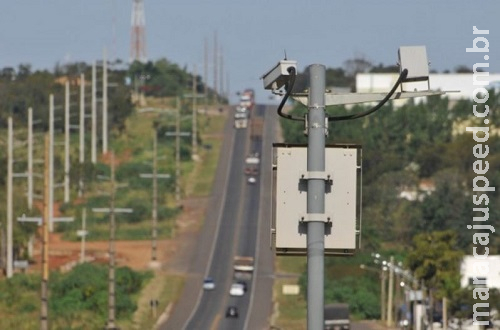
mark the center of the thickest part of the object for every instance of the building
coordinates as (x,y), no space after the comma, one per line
(460,83)
(473,267)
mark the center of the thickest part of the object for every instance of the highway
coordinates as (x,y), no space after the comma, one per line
(237,223)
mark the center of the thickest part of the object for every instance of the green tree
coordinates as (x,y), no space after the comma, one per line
(435,259)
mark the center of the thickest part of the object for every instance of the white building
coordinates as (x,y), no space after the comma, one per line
(486,271)
(462,83)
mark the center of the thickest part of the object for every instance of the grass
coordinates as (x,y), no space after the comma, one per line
(290,310)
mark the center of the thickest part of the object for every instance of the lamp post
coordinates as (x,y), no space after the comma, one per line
(382,273)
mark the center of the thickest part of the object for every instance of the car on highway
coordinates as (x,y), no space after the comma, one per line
(251,179)
(208,283)
(232,311)
(237,289)
(244,284)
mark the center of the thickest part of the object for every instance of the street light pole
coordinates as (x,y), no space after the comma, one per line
(390,292)
(382,295)
(316,198)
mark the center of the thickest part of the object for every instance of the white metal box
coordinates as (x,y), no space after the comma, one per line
(288,228)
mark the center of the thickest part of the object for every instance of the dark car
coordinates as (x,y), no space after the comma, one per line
(232,311)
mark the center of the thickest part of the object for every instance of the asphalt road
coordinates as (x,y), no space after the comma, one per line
(236,224)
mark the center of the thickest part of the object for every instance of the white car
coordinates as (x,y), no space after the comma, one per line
(251,179)
(208,283)
(237,289)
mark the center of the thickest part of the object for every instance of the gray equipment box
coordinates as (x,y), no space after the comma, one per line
(342,215)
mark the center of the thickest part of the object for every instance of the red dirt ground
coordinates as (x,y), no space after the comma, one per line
(135,254)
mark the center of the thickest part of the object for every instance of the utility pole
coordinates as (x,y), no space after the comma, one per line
(30,158)
(45,222)
(44,310)
(66,143)
(178,134)
(155,176)
(390,292)
(112,231)
(51,162)
(82,132)
(94,115)
(221,72)
(205,73)
(10,147)
(178,153)
(104,103)
(382,295)
(194,124)
(215,61)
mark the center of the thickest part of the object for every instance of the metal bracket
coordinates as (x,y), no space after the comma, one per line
(317,175)
(316,217)
(306,130)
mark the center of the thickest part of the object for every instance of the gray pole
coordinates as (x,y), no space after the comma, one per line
(390,292)
(382,295)
(94,116)
(205,73)
(105,103)
(111,289)
(82,132)
(51,163)
(10,148)
(66,143)
(82,118)
(194,124)
(316,198)
(155,197)
(178,154)
(216,99)
(30,158)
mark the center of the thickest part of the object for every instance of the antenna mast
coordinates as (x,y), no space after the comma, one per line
(138,33)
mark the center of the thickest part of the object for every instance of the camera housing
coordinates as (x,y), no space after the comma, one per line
(278,76)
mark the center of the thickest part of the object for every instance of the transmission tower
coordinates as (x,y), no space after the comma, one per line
(138,33)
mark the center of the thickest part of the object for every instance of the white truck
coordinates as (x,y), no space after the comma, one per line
(243,267)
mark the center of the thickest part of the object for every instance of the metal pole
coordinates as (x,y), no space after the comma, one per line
(44,309)
(66,143)
(111,279)
(390,292)
(94,115)
(51,163)
(215,61)
(82,118)
(82,132)
(9,268)
(205,73)
(445,313)
(382,295)
(194,132)
(178,154)
(30,158)
(155,197)
(316,198)
(104,103)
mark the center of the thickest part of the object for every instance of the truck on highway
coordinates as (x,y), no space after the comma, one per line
(337,317)
(243,267)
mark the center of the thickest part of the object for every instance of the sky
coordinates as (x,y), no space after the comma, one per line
(252,35)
